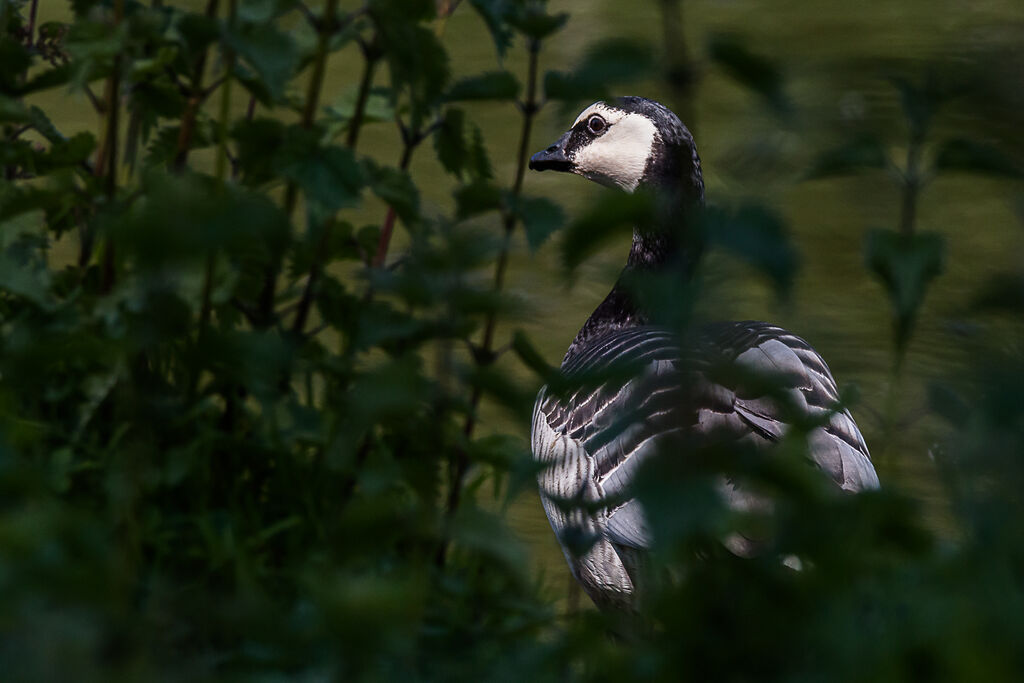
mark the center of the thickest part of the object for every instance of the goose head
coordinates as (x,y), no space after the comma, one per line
(629,143)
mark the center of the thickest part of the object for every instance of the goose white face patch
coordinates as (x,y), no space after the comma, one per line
(619,156)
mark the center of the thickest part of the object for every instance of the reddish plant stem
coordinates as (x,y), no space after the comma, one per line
(197,95)
(389,220)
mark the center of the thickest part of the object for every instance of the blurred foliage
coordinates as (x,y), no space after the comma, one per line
(238,436)
(906,260)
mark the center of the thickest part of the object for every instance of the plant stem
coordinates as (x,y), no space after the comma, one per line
(911,186)
(195,101)
(206,307)
(389,220)
(106,166)
(460,463)
(31,29)
(291,193)
(225,102)
(680,71)
(370,55)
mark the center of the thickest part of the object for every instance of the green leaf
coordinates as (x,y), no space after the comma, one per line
(71,152)
(532,358)
(395,187)
(946,402)
(612,214)
(749,70)
(328,175)
(42,124)
(920,102)
(13,110)
(22,272)
(976,157)
(494,85)
(259,142)
(379,106)
(1003,292)
(541,217)
(860,155)
(478,164)
(197,32)
(476,198)
(15,59)
(537,24)
(450,142)
(418,63)
(185,217)
(905,265)
(495,14)
(757,236)
(606,64)
(460,147)
(45,80)
(273,54)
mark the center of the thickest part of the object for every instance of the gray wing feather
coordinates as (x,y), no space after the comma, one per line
(596,437)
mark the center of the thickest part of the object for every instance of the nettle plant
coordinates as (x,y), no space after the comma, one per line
(205,411)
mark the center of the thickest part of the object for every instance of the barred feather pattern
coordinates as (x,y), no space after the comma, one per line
(641,390)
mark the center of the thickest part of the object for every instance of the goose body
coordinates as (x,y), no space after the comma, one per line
(662,394)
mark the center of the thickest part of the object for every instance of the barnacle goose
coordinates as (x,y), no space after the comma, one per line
(593,438)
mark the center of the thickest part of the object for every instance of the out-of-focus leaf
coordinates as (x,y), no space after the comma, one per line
(535,23)
(860,155)
(417,60)
(45,80)
(750,70)
(494,85)
(259,141)
(449,141)
(42,124)
(612,214)
(12,110)
(184,218)
(272,53)
(328,175)
(476,198)
(532,358)
(261,11)
(93,45)
(396,188)
(944,401)
(758,237)
(21,273)
(378,107)
(541,217)
(15,59)
(460,147)
(920,102)
(1003,292)
(495,14)
(905,264)
(975,157)
(70,152)
(606,64)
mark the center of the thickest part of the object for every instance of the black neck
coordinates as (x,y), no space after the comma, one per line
(671,243)
(652,251)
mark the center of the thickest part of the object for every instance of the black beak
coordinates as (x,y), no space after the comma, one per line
(553,158)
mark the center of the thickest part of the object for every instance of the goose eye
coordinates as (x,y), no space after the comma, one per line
(596,125)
